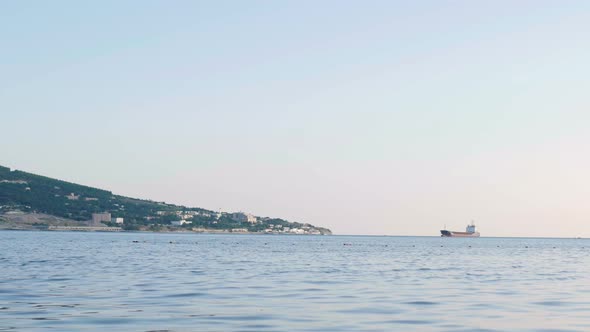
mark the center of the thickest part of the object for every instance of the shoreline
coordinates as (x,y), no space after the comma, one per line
(89,229)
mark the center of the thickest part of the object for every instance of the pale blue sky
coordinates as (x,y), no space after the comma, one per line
(368,117)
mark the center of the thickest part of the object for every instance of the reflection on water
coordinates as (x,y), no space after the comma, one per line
(185,282)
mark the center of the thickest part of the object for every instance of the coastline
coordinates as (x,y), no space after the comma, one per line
(22,221)
(120,230)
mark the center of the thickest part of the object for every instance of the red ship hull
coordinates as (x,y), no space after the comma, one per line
(445,233)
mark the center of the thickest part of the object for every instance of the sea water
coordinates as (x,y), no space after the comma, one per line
(67,281)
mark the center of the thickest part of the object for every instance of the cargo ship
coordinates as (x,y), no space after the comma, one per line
(469,232)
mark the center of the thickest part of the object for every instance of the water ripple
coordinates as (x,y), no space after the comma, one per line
(185,282)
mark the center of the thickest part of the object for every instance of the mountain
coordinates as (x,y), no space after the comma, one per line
(66,203)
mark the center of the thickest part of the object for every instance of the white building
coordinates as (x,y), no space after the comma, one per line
(180,222)
(117,220)
(14,181)
(243,217)
(73,197)
(297,231)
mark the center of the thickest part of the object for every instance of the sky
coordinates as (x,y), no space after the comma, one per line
(366,117)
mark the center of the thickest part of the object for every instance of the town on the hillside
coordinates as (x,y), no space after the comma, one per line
(30,201)
(182,222)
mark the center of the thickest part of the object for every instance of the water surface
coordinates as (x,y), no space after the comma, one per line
(60,281)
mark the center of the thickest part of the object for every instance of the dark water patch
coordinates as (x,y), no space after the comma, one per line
(258,327)
(347,296)
(109,320)
(553,303)
(56,305)
(143,285)
(284,295)
(563,278)
(59,279)
(311,290)
(231,287)
(422,303)
(150,290)
(331,270)
(39,261)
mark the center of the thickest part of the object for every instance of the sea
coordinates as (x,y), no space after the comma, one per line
(70,281)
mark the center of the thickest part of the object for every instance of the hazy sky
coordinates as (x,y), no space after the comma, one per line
(367,117)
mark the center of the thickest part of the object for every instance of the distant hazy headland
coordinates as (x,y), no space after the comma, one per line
(30,201)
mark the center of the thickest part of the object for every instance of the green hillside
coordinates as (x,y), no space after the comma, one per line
(39,194)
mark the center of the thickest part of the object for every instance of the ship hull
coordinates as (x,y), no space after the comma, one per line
(445,233)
